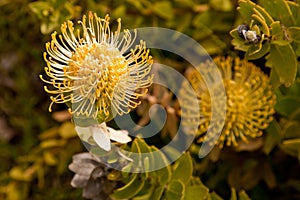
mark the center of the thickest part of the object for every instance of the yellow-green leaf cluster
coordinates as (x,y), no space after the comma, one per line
(277,25)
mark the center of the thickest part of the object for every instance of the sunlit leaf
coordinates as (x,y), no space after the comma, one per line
(233,194)
(119,11)
(196,192)
(266,16)
(221,5)
(20,174)
(276,28)
(283,60)
(257,51)
(291,146)
(41,8)
(67,130)
(263,24)
(183,168)
(52,143)
(279,10)
(157,193)
(130,189)
(246,9)
(243,195)
(145,193)
(163,9)
(50,133)
(175,190)
(163,174)
(214,196)
(294,33)
(17,190)
(49,158)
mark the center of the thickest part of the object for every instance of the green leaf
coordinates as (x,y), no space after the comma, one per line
(264,26)
(137,4)
(257,51)
(294,33)
(49,158)
(269,176)
(67,130)
(279,10)
(163,9)
(283,60)
(52,143)
(175,190)
(183,168)
(157,193)
(119,11)
(246,10)
(221,5)
(39,8)
(265,15)
(294,7)
(196,192)
(213,45)
(214,196)
(201,31)
(274,79)
(276,28)
(287,105)
(294,90)
(243,195)
(17,190)
(291,129)
(273,137)
(292,147)
(128,191)
(233,194)
(280,42)
(295,115)
(50,133)
(183,22)
(20,174)
(163,174)
(145,193)
(238,42)
(297,52)
(149,161)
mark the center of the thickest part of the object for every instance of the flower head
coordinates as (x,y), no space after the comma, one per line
(93,71)
(249,101)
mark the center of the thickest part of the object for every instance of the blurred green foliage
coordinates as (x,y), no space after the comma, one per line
(36,149)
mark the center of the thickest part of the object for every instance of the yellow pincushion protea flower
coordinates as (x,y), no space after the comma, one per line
(249,102)
(95,72)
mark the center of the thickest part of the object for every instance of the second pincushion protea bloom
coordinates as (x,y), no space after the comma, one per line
(249,102)
(95,72)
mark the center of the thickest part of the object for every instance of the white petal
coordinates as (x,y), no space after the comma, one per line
(83,132)
(101,137)
(120,136)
